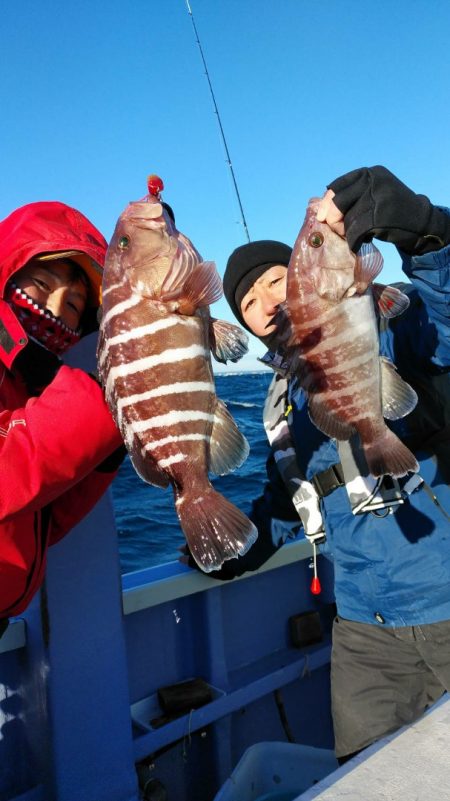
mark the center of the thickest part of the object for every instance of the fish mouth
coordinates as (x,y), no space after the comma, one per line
(145,214)
(146,222)
(313,204)
(311,217)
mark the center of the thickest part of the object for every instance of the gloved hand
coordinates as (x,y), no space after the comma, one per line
(37,366)
(112,462)
(225,573)
(376,204)
(259,553)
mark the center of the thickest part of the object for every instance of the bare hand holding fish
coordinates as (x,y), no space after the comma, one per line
(156,336)
(331,301)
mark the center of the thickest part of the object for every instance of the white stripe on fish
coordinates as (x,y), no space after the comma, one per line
(146,330)
(170,419)
(178,388)
(159,443)
(169,356)
(319,319)
(175,459)
(328,342)
(349,389)
(350,364)
(119,308)
(111,288)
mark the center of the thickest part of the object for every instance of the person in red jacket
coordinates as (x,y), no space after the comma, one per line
(59,446)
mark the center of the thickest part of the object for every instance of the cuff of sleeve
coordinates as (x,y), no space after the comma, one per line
(436,260)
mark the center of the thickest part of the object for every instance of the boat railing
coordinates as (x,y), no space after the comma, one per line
(81,668)
(156,585)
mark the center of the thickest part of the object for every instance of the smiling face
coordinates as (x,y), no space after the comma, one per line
(58,286)
(260,303)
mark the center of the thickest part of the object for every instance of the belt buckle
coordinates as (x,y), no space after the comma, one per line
(329,484)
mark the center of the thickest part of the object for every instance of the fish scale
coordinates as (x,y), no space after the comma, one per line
(154,362)
(334,344)
(172,414)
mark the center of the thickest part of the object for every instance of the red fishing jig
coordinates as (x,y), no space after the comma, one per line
(155,185)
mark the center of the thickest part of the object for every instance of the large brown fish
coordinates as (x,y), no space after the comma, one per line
(330,304)
(154,361)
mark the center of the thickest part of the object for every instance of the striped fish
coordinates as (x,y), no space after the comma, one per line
(331,303)
(156,336)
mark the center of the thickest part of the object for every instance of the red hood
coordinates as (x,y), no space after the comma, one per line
(45,227)
(48,226)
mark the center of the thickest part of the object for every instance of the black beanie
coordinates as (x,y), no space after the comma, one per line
(245,265)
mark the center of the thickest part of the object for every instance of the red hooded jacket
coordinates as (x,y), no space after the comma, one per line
(50,444)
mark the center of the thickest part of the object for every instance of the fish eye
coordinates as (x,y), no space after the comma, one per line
(315,239)
(123,243)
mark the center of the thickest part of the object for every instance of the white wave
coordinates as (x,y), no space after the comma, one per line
(234,373)
(244,405)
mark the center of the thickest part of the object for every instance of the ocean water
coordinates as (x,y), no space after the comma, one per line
(146,521)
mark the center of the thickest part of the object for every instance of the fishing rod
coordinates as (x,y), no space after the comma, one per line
(216,111)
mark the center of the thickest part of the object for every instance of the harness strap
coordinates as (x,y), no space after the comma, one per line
(328,480)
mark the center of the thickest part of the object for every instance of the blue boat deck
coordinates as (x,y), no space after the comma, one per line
(80,672)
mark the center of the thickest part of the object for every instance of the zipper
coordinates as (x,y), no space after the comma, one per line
(41,526)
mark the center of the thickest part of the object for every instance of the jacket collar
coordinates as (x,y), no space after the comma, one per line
(12,336)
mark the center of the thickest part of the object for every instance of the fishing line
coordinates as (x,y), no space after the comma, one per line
(216,111)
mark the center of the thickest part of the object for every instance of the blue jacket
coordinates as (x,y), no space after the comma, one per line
(392,570)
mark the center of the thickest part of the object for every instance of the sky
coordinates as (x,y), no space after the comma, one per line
(96,95)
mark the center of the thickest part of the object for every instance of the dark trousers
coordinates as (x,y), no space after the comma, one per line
(383,678)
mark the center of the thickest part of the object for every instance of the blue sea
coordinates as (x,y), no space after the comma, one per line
(148,528)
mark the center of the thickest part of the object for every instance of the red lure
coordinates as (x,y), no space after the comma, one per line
(155,185)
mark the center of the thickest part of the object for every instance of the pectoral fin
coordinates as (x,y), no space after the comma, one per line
(228,447)
(390,301)
(369,263)
(192,287)
(397,397)
(228,342)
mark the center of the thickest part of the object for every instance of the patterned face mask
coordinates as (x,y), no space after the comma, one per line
(39,322)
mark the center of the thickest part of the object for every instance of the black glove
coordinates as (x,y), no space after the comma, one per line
(260,552)
(376,204)
(37,366)
(231,568)
(112,462)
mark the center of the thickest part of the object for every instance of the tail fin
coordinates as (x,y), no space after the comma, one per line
(387,455)
(215,530)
